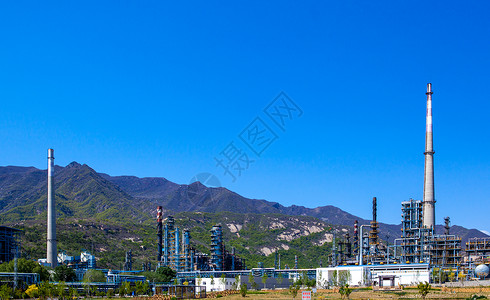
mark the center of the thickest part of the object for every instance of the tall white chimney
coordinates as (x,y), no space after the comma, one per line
(429,198)
(52,253)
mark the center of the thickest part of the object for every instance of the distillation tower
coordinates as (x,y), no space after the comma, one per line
(175,251)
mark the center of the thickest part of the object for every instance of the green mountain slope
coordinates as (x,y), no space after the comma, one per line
(110,215)
(80,192)
(255,237)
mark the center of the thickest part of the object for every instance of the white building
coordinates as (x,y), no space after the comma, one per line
(353,275)
(384,275)
(216,284)
(400,274)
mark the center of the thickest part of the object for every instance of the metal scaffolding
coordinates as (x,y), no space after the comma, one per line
(419,244)
(415,239)
(9,243)
(177,253)
(478,250)
(217,248)
(445,251)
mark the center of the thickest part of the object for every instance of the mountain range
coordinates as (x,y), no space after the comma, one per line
(81,192)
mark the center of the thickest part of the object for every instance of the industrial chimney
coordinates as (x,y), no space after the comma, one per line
(429,200)
(52,252)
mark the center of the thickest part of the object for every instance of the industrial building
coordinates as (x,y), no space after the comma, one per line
(83,261)
(418,242)
(478,250)
(377,275)
(175,251)
(411,258)
(9,243)
(399,274)
(363,256)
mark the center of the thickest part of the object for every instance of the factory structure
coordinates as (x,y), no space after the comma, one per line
(419,254)
(418,245)
(418,251)
(413,257)
(175,251)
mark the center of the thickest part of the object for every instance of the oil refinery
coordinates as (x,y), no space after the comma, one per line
(418,255)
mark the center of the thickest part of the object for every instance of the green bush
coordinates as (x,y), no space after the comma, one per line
(424,289)
(243,290)
(5,292)
(64,273)
(345,291)
(94,276)
(26,266)
(293,290)
(110,293)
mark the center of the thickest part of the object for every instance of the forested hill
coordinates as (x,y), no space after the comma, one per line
(113,214)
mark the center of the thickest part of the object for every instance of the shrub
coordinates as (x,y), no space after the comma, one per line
(424,289)
(64,273)
(94,276)
(293,290)
(243,290)
(476,297)
(345,291)
(5,292)
(32,291)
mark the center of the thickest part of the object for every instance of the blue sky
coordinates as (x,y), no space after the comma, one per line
(161,89)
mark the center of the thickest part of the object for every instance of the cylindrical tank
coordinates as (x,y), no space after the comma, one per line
(481,271)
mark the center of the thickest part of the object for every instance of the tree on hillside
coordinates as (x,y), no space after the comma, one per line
(26,266)
(166,274)
(64,273)
(94,276)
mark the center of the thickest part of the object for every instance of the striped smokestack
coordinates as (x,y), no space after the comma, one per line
(429,200)
(52,252)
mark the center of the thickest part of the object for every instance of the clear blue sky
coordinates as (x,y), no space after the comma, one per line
(160,89)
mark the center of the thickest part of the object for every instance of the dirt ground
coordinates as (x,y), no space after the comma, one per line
(454,293)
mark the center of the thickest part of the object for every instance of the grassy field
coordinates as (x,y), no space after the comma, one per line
(454,293)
